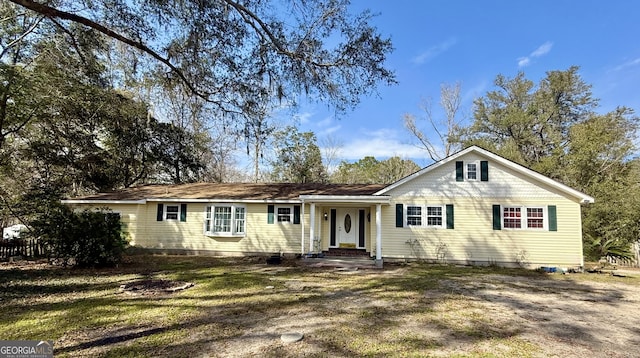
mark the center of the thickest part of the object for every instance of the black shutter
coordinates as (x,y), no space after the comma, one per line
(553,220)
(459,171)
(296,214)
(497,218)
(449,216)
(270,211)
(484,170)
(183,212)
(399,215)
(333,228)
(160,215)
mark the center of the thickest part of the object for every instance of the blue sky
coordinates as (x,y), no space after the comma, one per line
(471,42)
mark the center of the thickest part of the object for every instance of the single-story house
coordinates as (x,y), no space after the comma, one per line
(473,207)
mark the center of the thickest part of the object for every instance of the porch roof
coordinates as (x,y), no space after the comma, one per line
(352,199)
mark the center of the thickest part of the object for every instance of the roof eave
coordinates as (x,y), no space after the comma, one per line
(102,201)
(370,199)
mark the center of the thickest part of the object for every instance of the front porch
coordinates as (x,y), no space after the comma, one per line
(343,226)
(355,253)
(342,263)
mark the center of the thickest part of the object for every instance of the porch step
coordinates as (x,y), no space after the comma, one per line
(346,252)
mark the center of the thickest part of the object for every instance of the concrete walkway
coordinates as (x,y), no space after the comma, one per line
(353,263)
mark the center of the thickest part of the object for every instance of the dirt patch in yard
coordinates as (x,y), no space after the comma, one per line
(154,287)
(242,308)
(502,315)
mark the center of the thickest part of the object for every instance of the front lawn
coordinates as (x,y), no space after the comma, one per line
(241,306)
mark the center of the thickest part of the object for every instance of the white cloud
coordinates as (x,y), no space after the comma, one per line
(303,117)
(523,61)
(381,144)
(434,51)
(330,130)
(325,122)
(627,64)
(542,50)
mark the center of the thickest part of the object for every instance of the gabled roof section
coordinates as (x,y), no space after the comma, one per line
(228,191)
(582,197)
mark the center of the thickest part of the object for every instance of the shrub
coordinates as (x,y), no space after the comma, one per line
(84,239)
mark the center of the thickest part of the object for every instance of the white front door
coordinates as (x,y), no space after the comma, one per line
(347,227)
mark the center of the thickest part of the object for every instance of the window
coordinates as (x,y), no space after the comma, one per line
(426,216)
(472,171)
(172,212)
(512,218)
(239,220)
(284,214)
(533,218)
(414,215)
(434,215)
(225,220)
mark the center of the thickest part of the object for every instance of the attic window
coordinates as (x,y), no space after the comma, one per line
(472,171)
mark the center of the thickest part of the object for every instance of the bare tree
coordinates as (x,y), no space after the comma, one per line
(331,147)
(257,132)
(439,139)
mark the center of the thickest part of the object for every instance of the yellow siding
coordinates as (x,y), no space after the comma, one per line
(260,237)
(473,240)
(145,231)
(503,182)
(129,216)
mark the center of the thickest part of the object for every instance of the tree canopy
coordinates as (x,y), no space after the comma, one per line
(232,53)
(369,170)
(297,158)
(100,95)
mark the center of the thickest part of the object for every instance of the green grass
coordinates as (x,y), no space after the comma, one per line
(404,310)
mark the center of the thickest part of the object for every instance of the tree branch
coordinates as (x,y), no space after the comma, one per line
(74,43)
(51,12)
(263,31)
(19,38)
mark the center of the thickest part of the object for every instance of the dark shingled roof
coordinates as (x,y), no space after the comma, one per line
(234,191)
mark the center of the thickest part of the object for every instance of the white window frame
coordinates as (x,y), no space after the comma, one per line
(443,216)
(476,164)
(165,212)
(424,217)
(545,218)
(524,216)
(209,220)
(407,216)
(290,215)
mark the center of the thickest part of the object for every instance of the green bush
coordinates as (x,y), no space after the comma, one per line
(84,239)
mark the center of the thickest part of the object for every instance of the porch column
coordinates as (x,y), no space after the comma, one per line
(379,235)
(312,224)
(302,234)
